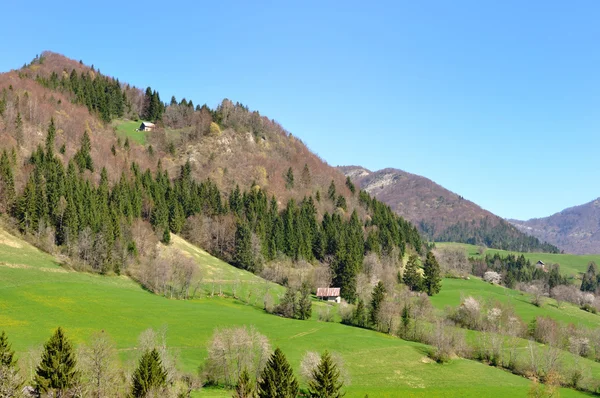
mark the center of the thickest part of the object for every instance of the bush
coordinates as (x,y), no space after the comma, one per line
(492,277)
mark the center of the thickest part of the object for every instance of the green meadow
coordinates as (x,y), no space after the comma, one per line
(570,264)
(37,295)
(127,129)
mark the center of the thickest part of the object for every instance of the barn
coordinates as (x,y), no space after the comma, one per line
(329,294)
(146,126)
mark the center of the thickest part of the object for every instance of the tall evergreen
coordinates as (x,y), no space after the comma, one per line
(245,386)
(149,375)
(19,129)
(277,379)
(289,179)
(304,303)
(243,256)
(326,381)
(7,355)
(57,372)
(589,282)
(377,298)
(412,278)
(432,281)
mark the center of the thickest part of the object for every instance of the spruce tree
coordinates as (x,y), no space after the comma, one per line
(19,129)
(7,355)
(376,299)
(245,386)
(331,192)
(289,179)
(304,309)
(56,372)
(412,277)
(149,375)
(10,380)
(432,281)
(243,256)
(277,379)
(326,381)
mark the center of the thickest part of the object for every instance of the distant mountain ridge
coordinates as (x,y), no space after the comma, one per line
(575,229)
(440,213)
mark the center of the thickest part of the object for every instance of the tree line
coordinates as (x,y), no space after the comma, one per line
(500,235)
(92,221)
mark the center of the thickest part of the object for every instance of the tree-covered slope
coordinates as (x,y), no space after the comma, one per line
(575,230)
(439,213)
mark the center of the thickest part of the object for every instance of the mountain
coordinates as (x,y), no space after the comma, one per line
(440,214)
(575,230)
(78,178)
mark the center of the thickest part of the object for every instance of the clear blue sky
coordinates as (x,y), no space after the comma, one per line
(498,101)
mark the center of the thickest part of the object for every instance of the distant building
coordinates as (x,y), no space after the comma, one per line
(329,294)
(146,126)
(541,264)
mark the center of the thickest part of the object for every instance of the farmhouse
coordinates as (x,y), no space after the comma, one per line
(329,294)
(540,264)
(146,126)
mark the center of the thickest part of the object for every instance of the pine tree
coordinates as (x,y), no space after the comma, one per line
(304,310)
(412,277)
(350,185)
(11,382)
(432,281)
(166,238)
(50,139)
(243,256)
(245,386)
(331,193)
(289,179)
(359,315)
(589,282)
(377,298)
(19,129)
(7,355)
(326,381)
(277,379)
(306,178)
(149,375)
(56,372)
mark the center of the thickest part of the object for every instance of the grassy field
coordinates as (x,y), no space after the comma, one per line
(127,129)
(37,295)
(570,264)
(454,289)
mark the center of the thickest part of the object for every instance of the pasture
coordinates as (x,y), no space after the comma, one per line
(37,295)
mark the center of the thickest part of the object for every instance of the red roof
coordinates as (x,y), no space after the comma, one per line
(328,292)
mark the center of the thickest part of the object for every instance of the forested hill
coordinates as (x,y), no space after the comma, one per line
(228,178)
(575,230)
(440,214)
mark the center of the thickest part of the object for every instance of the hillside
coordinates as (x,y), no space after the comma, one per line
(32,284)
(575,230)
(440,214)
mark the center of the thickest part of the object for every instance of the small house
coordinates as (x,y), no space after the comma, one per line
(146,126)
(329,294)
(540,264)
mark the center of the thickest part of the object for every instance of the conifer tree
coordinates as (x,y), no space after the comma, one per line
(10,380)
(289,179)
(150,374)
(50,139)
(56,372)
(350,185)
(245,386)
(359,315)
(331,193)
(326,381)
(306,177)
(277,379)
(412,277)
(304,303)
(19,129)
(7,355)
(243,256)
(589,282)
(376,299)
(432,281)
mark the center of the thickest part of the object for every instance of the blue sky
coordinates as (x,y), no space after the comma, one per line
(498,101)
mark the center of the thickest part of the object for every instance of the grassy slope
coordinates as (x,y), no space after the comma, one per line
(453,289)
(36,295)
(570,264)
(127,129)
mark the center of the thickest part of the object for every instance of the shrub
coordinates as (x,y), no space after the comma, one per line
(492,277)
